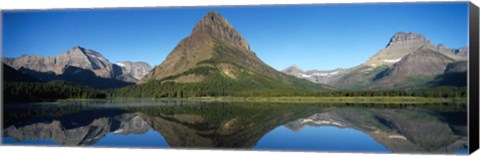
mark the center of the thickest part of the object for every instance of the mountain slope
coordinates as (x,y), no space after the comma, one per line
(359,77)
(216,57)
(414,70)
(455,74)
(78,65)
(12,75)
(213,31)
(400,45)
(409,60)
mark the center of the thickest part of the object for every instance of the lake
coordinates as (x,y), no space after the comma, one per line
(366,128)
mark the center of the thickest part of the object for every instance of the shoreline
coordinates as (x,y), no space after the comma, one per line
(353,100)
(296,99)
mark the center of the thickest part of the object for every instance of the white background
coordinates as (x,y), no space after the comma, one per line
(63,151)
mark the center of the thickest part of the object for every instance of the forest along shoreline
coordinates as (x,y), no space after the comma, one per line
(24,92)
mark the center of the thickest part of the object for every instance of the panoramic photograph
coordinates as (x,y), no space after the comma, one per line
(357,78)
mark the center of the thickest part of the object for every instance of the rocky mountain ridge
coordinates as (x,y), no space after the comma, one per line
(419,61)
(79,65)
(415,68)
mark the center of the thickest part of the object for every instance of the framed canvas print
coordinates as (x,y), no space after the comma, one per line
(374,78)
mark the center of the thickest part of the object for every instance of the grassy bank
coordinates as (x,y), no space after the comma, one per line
(382,99)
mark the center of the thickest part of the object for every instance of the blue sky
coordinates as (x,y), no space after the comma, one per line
(310,36)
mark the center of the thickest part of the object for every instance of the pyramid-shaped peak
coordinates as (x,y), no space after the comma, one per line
(214,25)
(210,22)
(213,15)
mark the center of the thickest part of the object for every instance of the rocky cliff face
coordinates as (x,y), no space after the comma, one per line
(78,62)
(77,56)
(135,69)
(218,27)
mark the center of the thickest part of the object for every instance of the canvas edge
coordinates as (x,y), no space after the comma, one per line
(473,88)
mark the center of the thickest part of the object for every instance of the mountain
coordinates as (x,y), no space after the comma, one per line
(78,65)
(414,70)
(316,76)
(216,53)
(402,44)
(135,69)
(455,74)
(463,51)
(409,60)
(12,75)
(294,70)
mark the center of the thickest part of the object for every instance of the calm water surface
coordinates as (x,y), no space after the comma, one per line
(439,128)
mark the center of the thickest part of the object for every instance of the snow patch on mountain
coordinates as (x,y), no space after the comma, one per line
(316,76)
(120,64)
(392,60)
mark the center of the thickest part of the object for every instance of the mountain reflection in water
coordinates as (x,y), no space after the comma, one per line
(398,129)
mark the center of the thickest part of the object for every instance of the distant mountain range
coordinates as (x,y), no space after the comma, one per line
(316,76)
(409,60)
(80,65)
(215,57)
